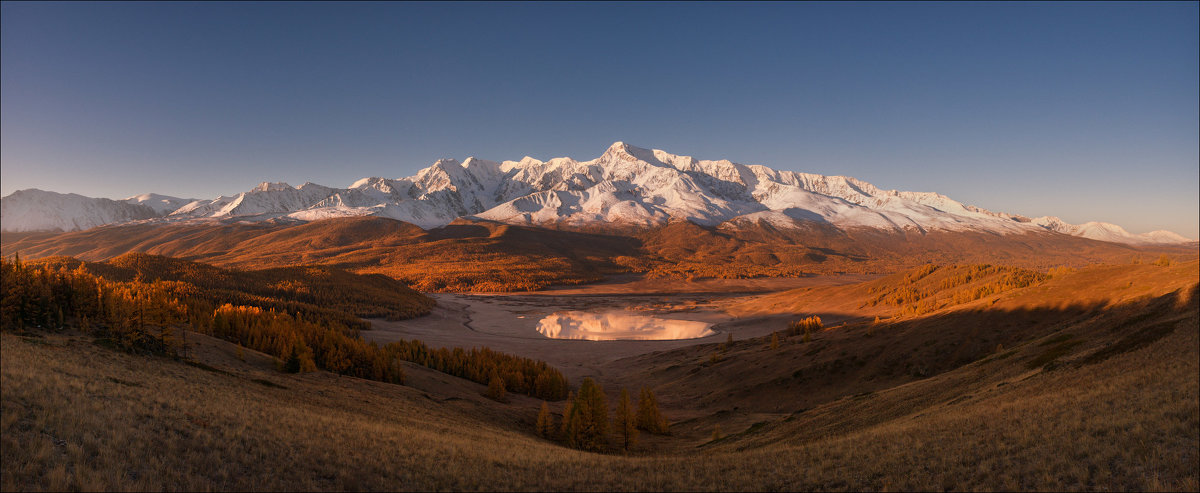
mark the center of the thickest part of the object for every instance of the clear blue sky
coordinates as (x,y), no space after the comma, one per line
(1081,110)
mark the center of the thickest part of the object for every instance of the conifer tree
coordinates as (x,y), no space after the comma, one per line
(570,403)
(292,364)
(587,423)
(774,340)
(545,422)
(648,416)
(625,421)
(495,389)
(183,345)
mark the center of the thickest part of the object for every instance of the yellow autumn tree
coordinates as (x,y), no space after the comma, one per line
(649,418)
(587,423)
(495,389)
(545,422)
(625,421)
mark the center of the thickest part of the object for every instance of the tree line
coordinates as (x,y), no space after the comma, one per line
(146,312)
(517,374)
(585,423)
(918,292)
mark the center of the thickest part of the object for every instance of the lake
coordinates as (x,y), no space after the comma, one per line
(619,325)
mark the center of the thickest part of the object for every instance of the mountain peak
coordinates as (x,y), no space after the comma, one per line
(626,185)
(267,186)
(617,146)
(624,152)
(368,181)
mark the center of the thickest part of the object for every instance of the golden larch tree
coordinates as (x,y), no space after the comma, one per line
(495,389)
(649,418)
(625,421)
(545,422)
(587,423)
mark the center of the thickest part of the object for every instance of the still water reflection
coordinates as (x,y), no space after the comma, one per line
(619,325)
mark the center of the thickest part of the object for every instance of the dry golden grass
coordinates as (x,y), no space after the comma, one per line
(483,256)
(465,256)
(77,416)
(1103,397)
(1117,410)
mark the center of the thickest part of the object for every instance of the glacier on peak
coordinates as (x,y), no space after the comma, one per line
(625,185)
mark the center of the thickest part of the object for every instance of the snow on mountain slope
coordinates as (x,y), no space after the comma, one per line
(1108,232)
(272,199)
(161,204)
(1164,236)
(38,210)
(625,185)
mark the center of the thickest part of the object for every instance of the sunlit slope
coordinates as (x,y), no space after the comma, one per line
(1105,403)
(464,256)
(489,256)
(932,287)
(324,290)
(1115,411)
(761,248)
(749,379)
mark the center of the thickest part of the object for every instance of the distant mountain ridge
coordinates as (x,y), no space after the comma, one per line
(626,185)
(38,210)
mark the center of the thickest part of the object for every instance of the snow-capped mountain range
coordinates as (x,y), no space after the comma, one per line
(626,185)
(37,210)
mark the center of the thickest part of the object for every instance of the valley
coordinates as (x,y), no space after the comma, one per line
(785,359)
(1084,379)
(427,246)
(508,322)
(485,325)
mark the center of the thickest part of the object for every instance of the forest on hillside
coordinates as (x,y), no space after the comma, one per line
(307,317)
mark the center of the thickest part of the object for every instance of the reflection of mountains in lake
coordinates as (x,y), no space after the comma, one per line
(619,325)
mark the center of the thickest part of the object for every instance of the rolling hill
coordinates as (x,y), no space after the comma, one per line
(491,256)
(1085,380)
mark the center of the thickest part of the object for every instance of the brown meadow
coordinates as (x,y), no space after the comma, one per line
(1103,397)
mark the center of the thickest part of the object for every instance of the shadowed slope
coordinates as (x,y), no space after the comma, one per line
(748,381)
(1094,416)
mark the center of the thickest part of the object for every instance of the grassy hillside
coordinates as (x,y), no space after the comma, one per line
(307,317)
(459,257)
(317,290)
(750,381)
(932,287)
(486,256)
(1102,397)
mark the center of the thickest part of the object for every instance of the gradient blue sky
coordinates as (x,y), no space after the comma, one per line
(1087,111)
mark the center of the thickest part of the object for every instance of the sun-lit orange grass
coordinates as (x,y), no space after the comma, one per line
(1103,283)
(1116,410)
(484,256)
(76,416)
